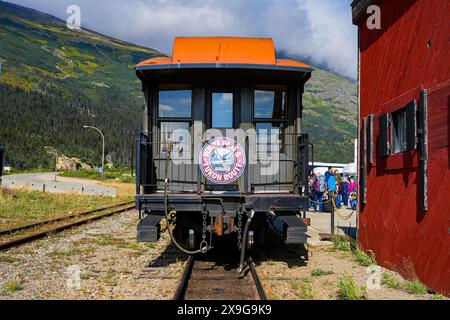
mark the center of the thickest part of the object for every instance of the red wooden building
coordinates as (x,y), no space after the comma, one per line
(404,102)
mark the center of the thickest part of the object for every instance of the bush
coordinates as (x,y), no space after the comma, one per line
(364,259)
(12,286)
(347,289)
(341,244)
(389,281)
(320,272)
(415,287)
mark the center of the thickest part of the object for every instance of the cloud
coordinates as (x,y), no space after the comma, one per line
(320,31)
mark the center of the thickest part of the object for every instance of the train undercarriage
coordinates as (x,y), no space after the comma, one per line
(199,219)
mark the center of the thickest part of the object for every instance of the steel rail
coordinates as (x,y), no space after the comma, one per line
(187,274)
(43,234)
(184,280)
(259,287)
(45,222)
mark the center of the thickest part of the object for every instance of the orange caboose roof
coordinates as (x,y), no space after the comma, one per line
(223,52)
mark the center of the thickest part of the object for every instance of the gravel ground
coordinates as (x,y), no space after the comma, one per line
(103,261)
(97,261)
(286,273)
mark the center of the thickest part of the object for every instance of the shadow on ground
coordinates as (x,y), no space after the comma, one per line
(225,253)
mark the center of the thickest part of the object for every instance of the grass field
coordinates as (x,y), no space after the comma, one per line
(23,207)
(118,174)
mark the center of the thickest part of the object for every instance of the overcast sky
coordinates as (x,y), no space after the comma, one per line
(320,30)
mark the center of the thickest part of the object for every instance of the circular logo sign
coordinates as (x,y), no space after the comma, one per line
(222,160)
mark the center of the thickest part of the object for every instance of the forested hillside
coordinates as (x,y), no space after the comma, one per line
(53,81)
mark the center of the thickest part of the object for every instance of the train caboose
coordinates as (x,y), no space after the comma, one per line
(222,152)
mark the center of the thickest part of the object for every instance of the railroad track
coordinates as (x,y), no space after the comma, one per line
(217,279)
(17,236)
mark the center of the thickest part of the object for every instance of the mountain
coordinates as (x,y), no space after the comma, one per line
(54,80)
(329,113)
(329,116)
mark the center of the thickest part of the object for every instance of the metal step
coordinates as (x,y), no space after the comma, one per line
(148,229)
(295,229)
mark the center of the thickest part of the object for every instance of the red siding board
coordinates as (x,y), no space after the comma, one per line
(396,63)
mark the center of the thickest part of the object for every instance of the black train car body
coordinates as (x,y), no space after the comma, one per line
(222,152)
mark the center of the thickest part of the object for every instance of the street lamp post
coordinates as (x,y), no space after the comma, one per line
(52,151)
(103,149)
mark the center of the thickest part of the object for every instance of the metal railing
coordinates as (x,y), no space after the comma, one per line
(271,167)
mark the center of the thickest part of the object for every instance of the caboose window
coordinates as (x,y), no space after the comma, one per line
(270,104)
(175,104)
(222,110)
(176,133)
(269,116)
(269,137)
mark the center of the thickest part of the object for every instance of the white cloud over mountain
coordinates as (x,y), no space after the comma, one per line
(320,31)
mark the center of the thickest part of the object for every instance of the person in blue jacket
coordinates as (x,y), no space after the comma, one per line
(331,182)
(328,173)
(332,188)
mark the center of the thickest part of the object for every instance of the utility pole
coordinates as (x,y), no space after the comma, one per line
(103,148)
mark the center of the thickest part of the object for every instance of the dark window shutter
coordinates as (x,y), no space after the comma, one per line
(423,150)
(383,142)
(370,139)
(411,126)
(363,161)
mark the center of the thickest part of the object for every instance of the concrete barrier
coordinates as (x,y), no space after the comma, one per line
(59,187)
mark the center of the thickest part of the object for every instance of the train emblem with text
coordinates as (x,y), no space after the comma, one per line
(222,160)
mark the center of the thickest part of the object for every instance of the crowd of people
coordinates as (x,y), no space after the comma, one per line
(332,185)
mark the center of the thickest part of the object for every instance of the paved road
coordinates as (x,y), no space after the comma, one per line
(45,182)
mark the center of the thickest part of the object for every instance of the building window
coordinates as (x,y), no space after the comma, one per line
(175,104)
(399,131)
(222,110)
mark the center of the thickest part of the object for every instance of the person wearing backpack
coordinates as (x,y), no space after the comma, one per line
(345,192)
(353,189)
(311,190)
(320,188)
